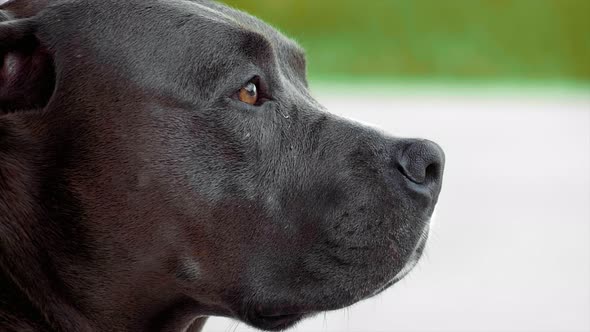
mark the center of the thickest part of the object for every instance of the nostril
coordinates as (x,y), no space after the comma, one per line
(402,170)
(422,162)
(413,174)
(432,172)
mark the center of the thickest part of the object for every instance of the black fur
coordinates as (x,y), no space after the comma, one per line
(136,193)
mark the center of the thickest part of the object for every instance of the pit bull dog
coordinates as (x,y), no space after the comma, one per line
(163,161)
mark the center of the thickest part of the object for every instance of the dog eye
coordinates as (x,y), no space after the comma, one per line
(249,93)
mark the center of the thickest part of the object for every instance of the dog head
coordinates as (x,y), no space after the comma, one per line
(191,164)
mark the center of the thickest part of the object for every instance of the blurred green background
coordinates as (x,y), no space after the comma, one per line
(452,40)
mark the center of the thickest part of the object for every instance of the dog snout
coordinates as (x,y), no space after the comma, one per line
(422,163)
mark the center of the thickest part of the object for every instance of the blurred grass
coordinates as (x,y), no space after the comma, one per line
(451,40)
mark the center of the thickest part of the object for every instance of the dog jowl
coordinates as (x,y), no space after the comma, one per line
(163,161)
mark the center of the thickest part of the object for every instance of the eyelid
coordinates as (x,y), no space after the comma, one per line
(256,80)
(262,89)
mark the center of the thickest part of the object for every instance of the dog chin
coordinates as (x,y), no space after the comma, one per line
(276,322)
(409,266)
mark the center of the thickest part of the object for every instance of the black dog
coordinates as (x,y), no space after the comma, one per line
(162,161)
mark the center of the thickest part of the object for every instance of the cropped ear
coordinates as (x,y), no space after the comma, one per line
(27,76)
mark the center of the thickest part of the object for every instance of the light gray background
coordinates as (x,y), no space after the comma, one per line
(510,250)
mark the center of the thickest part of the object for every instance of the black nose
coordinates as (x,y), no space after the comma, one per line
(422,162)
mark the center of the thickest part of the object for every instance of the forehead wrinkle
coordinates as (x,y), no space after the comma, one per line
(204,12)
(221,15)
(269,45)
(245,22)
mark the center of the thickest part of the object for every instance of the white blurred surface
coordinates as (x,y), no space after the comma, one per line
(511,247)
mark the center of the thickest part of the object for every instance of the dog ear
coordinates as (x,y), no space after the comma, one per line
(23,8)
(27,76)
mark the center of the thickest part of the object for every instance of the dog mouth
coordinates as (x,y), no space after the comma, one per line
(275,321)
(277,315)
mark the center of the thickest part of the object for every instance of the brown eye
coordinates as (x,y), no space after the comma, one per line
(249,94)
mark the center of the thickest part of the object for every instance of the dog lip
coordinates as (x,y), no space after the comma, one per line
(277,314)
(274,321)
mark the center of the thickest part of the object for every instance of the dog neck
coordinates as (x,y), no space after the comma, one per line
(26,276)
(44,256)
